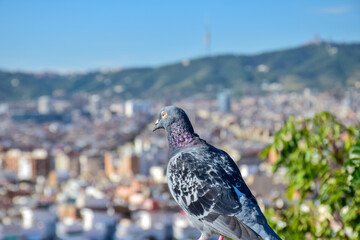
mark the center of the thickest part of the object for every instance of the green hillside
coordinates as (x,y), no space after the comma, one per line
(322,67)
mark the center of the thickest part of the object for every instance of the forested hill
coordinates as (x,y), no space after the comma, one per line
(323,67)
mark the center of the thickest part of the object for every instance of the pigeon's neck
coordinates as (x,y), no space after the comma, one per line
(181,134)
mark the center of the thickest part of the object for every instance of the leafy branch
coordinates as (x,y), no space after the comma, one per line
(321,159)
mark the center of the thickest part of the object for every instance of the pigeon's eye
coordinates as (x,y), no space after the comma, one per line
(163,114)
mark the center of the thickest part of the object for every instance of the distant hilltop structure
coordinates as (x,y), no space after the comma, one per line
(317,40)
(207,40)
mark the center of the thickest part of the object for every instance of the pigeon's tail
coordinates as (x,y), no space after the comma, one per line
(265,231)
(231,227)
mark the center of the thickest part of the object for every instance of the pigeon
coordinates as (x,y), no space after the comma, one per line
(207,184)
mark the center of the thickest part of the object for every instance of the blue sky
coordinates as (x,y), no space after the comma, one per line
(84,35)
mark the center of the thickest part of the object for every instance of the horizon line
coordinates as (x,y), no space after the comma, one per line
(68,71)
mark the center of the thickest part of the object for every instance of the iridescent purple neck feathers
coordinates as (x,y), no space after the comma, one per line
(181,134)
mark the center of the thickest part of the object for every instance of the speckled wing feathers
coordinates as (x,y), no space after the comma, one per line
(206,184)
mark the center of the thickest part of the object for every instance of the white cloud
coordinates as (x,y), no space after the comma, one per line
(334,10)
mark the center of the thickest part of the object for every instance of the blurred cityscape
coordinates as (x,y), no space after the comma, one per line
(82,167)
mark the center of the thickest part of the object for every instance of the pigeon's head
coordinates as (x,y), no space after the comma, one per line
(172,114)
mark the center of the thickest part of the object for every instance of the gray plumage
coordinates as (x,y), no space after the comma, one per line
(208,185)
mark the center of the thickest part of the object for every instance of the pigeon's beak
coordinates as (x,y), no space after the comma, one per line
(156,125)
